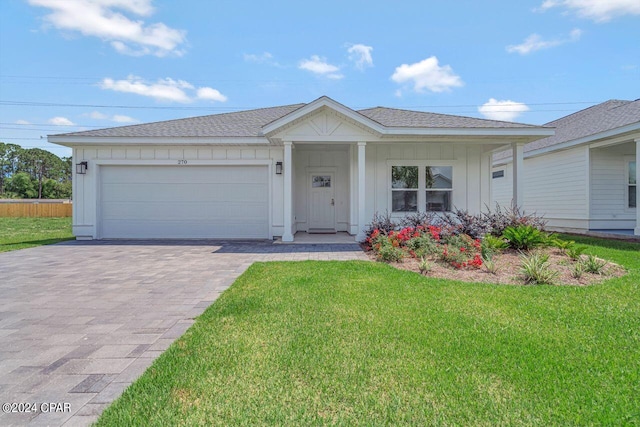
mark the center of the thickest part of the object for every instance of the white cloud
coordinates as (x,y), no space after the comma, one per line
(210,94)
(97,115)
(535,42)
(596,10)
(502,110)
(321,67)
(427,75)
(166,89)
(103,19)
(361,55)
(61,121)
(22,122)
(263,57)
(119,118)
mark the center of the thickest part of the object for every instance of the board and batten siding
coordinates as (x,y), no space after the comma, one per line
(556,185)
(609,188)
(471,172)
(85,188)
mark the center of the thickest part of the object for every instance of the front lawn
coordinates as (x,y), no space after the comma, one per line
(20,233)
(360,343)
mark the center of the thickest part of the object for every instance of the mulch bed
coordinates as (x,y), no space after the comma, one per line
(508,269)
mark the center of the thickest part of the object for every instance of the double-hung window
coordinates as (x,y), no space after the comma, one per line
(632,183)
(404,188)
(421,188)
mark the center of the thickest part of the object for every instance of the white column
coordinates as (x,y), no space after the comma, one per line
(287,235)
(360,237)
(518,169)
(637,229)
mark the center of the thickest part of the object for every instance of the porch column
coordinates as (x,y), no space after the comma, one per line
(287,235)
(636,231)
(360,237)
(518,177)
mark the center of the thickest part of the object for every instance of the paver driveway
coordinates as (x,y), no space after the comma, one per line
(79,321)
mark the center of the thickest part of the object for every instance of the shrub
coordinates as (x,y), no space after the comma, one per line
(424,266)
(575,251)
(461,220)
(491,266)
(578,270)
(491,245)
(418,219)
(525,237)
(536,270)
(390,253)
(381,222)
(423,245)
(501,218)
(462,251)
(593,265)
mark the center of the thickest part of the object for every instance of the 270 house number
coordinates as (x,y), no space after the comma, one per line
(182,162)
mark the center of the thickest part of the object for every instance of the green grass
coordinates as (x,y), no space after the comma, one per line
(358,343)
(20,233)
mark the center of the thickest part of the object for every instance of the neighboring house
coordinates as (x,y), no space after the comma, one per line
(585,176)
(270,172)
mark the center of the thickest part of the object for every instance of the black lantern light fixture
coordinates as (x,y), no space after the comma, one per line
(81,168)
(278,168)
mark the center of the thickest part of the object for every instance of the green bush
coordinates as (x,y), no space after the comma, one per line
(492,245)
(575,251)
(390,253)
(593,265)
(423,246)
(536,270)
(525,237)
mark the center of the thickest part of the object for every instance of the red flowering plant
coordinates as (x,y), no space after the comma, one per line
(462,251)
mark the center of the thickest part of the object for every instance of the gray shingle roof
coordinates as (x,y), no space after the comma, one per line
(238,124)
(393,117)
(249,123)
(609,115)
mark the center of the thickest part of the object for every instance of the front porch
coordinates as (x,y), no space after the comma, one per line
(304,238)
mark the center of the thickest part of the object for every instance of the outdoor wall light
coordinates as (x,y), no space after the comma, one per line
(278,168)
(81,168)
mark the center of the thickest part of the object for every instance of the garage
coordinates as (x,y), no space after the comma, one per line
(184,202)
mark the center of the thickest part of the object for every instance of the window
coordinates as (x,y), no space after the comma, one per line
(404,188)
(438,186)
(424,188)
(498,174)
(633,182)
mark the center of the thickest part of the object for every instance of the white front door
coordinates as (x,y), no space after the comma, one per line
(322,206)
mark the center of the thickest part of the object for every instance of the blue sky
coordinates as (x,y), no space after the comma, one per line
(68,65)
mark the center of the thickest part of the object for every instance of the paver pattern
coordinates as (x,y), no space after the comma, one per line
(80,321)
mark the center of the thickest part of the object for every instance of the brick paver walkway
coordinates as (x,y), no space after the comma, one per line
(80,321)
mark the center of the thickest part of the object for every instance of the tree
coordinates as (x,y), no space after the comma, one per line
(22,185)
(9,159)
(41,164)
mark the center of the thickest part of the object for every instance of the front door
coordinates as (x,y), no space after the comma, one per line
(322,205)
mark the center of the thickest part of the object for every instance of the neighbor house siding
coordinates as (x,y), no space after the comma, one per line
(86,188)
(501,188)
(609,186)
(555,185)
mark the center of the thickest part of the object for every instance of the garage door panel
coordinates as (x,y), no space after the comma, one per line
(173,192)
(184,202)
(182,229)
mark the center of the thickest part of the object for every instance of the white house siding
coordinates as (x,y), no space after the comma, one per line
(471,186)
(556,185)
(321,158)
(609,186)
(86,187)
(501,188)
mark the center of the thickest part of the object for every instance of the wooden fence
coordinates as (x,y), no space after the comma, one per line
(30,208)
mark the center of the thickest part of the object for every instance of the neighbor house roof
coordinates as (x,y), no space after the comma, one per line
(250,123)
(606,116)
(594,121)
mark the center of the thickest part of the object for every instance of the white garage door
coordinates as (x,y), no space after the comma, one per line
(184,202)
